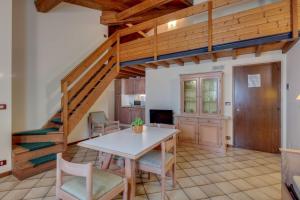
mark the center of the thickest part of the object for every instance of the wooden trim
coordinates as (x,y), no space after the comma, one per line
(258,50)
(46,5)
(65,111)
(118,52)
(210,26)
(196,59)
(4,174)
(178,61)
(294,18)
(155,41)
(289,45)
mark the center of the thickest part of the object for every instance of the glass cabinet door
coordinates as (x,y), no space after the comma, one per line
(210,99)
(190,96)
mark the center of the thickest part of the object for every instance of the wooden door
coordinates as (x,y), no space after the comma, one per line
(257,105)
(188,130)
(125,115)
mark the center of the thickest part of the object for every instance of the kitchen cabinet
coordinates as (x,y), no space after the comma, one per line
(201,121)
(128,114)
(134,86)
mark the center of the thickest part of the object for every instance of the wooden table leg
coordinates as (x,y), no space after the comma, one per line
(107,161)
(130,175)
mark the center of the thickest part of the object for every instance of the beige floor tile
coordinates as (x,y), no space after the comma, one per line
(271,192)
(152,187)
(154,196)
(240,173)
(229,166)
(181,174)
(269,179)
(191,172)
(227,187)
(177,195)
(51,192)
(2,194)
(37,192)
(241,184)
(45,182)
(195,193)
(25,184)
(140,190)
(253,171)
(204,170)
(50,198)
(217,168)
(186,182)
(190,158)
(257,195)
(228,175)
(180,159)
(277,186)
(215,178)
(223,197)
(201,180)
(239,196)
(5,186)
(197,163)
(184,165)
(16,194)
(211,190)
(256,182)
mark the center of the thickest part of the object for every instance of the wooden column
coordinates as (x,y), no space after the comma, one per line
(210,26)
(118,52)
(155,41)
(294,18)
(65,111)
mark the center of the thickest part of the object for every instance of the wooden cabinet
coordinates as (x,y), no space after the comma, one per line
(201,94)
(128,114)
(134,86)
(139,86)
(201,121)
(189,130)
(128,86)
(206,133)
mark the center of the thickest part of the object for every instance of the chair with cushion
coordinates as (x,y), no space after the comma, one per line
(161,161)
(87,183)
(100,125)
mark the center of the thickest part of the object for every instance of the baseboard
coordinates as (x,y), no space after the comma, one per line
(5,174)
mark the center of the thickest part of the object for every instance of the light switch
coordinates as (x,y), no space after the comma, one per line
(3,106)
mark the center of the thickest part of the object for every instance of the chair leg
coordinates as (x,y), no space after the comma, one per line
(163,186)
(149,175)
(174,175)
(125,192)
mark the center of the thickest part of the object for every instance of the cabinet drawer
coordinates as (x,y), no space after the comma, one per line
(210,121)
(187,119)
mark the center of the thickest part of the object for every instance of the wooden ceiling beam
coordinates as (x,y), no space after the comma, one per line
(139,32)
(196,59)
(150,65)
(258,50)
(109,17)
(125,73)
(138,67)
(100,4)
(163,63)
(178,61)
(140,8)
(234,54)
(288,45)
(133,71)
(46,5)
(187,2)
(214,57)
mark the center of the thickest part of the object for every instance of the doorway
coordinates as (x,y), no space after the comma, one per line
(257,106)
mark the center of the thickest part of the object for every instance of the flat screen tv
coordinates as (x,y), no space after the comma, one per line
(161,116)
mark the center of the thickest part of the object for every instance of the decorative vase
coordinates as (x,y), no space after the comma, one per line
(137,129)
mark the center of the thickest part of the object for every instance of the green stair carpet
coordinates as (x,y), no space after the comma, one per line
(43,159)
(36,145)
(44,131)
(57,121)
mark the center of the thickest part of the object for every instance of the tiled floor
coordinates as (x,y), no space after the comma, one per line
(239,175)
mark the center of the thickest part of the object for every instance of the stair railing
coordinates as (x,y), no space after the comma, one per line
(77,85)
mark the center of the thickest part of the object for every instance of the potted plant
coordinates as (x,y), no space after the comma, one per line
(137,125)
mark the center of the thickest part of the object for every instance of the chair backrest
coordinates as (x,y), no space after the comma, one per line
(98,117)
(169,144)
(83,170)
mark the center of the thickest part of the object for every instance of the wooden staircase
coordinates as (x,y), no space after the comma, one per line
(35,151)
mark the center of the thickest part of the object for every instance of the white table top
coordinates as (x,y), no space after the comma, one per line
(127,144)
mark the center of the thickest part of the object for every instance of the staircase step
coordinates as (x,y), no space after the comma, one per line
(21,155)
(57,120)
(57,137)
(43,131)
(36,145)
(22,174)
(43,159)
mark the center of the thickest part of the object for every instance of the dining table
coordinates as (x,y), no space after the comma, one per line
(131,146)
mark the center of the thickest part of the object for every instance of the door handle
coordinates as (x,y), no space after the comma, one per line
(238,110)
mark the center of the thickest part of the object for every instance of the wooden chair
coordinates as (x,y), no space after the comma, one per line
(161,161)
(98,123)
(290,170)
(88,183)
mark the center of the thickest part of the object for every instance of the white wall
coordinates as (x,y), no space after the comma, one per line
(5,81)
(163,85)
(46,47)
(293,106)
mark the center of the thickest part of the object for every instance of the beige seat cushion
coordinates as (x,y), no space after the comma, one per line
(103,182)
(153,158)
(296,184)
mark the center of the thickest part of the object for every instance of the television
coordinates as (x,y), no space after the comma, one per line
(161,116)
